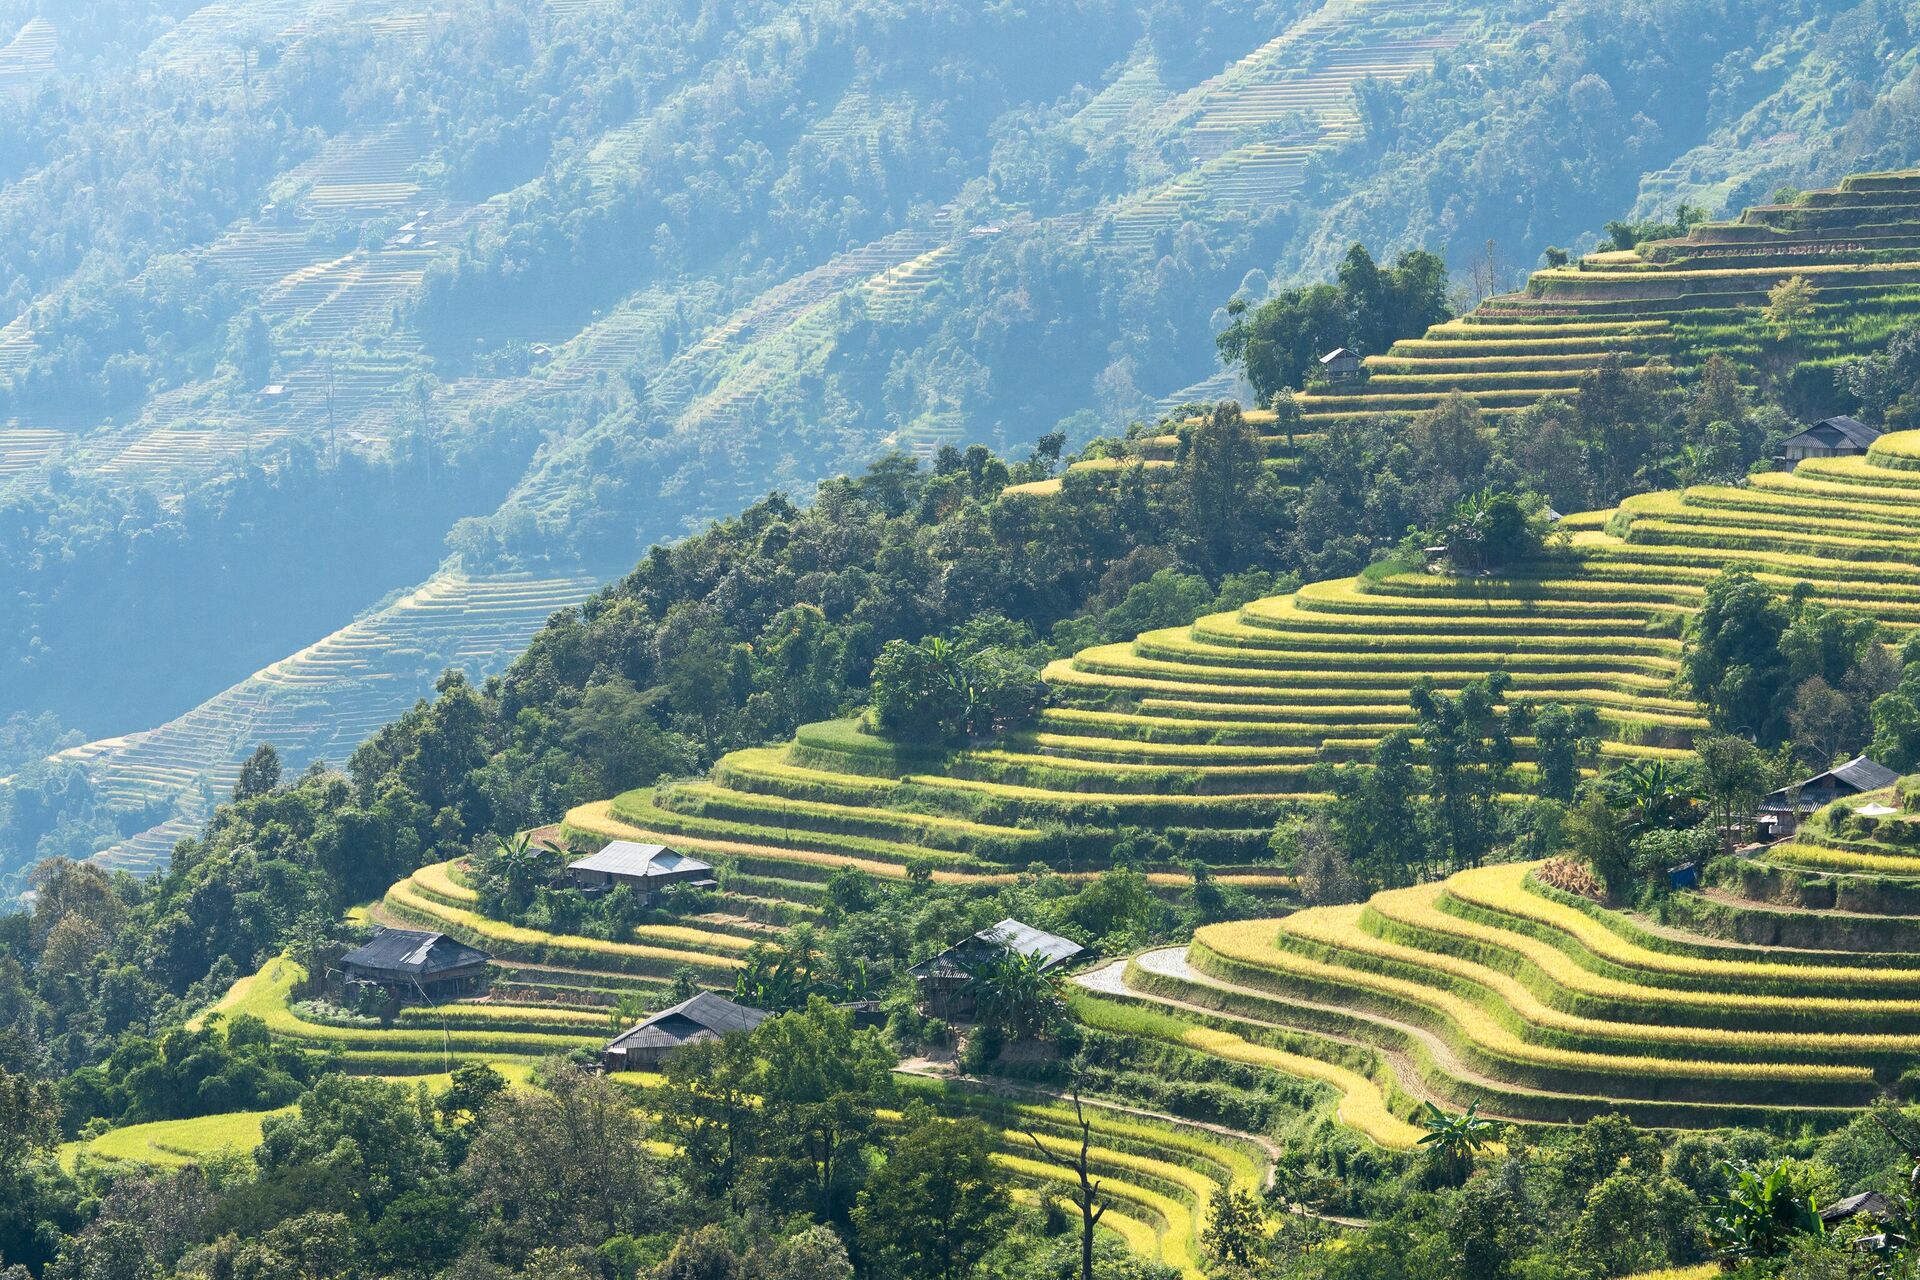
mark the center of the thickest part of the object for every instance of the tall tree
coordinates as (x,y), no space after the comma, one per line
(1467,750)
(1733,662)
(565,1162)
(821,1085)
(1219,474)
(259,774)
(938,1203)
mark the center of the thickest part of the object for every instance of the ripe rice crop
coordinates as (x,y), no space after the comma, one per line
(1361,1106)
(1247,946)
(511,939)
(1504,889)
(1827,858)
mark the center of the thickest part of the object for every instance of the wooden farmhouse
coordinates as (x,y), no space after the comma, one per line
(1340,365)
(945,981)
(1839,437)
(648,869)
(1781,810)
(411,964)
(705,1017)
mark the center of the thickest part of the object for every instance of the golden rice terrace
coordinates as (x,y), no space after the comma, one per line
(1856,246)
(1787,991)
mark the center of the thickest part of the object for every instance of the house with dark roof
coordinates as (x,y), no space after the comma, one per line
(648,869)
(412,964)
(1781,811)
(705,1017)
(945,981)
(1837,437)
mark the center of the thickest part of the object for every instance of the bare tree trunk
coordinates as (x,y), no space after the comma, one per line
(1087,1194)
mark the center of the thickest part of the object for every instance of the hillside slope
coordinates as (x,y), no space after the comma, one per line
(376,279)
(1855,246)
(1206,732)
(888,267)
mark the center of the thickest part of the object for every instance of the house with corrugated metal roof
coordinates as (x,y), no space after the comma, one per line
(1781,810)
(1836,437)
(945,981)
(412,964)
(648,869)
(705,1017)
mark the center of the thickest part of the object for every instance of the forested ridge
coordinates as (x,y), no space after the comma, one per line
(847,131)
(1400,760)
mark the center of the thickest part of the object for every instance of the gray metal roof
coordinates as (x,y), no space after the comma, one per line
(705,1012)
(1864,775)
(413,951)
(1858,774)
(1838,430)
(629,858)
(1008,935)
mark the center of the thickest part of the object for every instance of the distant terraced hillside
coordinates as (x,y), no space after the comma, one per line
(318,704)
(1206,732)
(1857,245)
(337,253)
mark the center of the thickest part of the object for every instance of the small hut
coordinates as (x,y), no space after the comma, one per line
(411,964)
(705,1017)
(648,869)
(1781,810)
(1836,437)
(1340,365)
(945,981)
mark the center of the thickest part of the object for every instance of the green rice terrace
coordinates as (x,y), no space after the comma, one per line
(553,993)
(1783,995)
(1789,991)
(1857,247)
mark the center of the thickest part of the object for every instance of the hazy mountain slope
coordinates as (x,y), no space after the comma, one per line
(666,401)
(659,269)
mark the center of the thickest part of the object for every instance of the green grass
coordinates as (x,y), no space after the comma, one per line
(171,1142)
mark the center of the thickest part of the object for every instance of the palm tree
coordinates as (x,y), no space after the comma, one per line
(1654,790)
(1015,993)
(1455,1140)
(518,867)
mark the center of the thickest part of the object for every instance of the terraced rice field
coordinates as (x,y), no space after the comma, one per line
(552,994)
(1785,993)
(22,449)
(1207,732)
(29,57)
(319,703)
(171,1142)
(1298,85)
(1155,453)
(1857,246)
